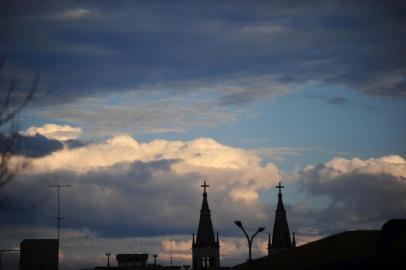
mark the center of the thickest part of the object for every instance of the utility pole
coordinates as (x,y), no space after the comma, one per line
(171,250)
(59,218)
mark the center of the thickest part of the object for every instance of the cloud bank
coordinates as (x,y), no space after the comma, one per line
(360,192)
(151,183)
(276,45)
(125,191)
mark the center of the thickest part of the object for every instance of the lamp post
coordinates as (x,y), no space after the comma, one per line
(155,256)
(260,229)
(108,254)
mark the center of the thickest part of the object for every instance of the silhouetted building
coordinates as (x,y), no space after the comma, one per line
(206,249)
(393,236)
(128,262)
(374,249)
(280,235)
(132,261)
(39,254)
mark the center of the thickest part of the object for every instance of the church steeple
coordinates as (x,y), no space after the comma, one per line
(205,232)
(206,249)
(281,234)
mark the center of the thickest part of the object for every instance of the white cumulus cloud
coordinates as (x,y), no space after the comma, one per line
(56,132)
(122,187)
(237,170)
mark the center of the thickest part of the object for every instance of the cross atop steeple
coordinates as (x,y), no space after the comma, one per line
(279,187)
(280,236)
(204,186)
(206,249)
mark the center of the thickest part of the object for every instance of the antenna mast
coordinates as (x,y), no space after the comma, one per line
(59,218)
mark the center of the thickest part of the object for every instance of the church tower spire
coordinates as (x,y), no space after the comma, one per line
(281,234)
(269,243)
(206,250)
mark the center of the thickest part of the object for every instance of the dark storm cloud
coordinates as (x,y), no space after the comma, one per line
(143,171)
(362,199)
(126,199)
(117,201)
(149,199)
(160,195)
(74,143)
(29,146)
(95,47)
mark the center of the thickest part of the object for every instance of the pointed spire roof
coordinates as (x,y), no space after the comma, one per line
(205,233)
(281,235)
(269,241)
(280,207)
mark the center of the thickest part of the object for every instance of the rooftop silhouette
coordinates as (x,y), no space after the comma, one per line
(373,249)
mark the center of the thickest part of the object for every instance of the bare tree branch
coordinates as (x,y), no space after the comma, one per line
(8,113)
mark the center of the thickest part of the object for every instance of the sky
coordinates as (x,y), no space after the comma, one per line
(139,102)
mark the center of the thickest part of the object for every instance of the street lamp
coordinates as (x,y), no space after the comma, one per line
(155,256)
(260,229)
(108,254)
